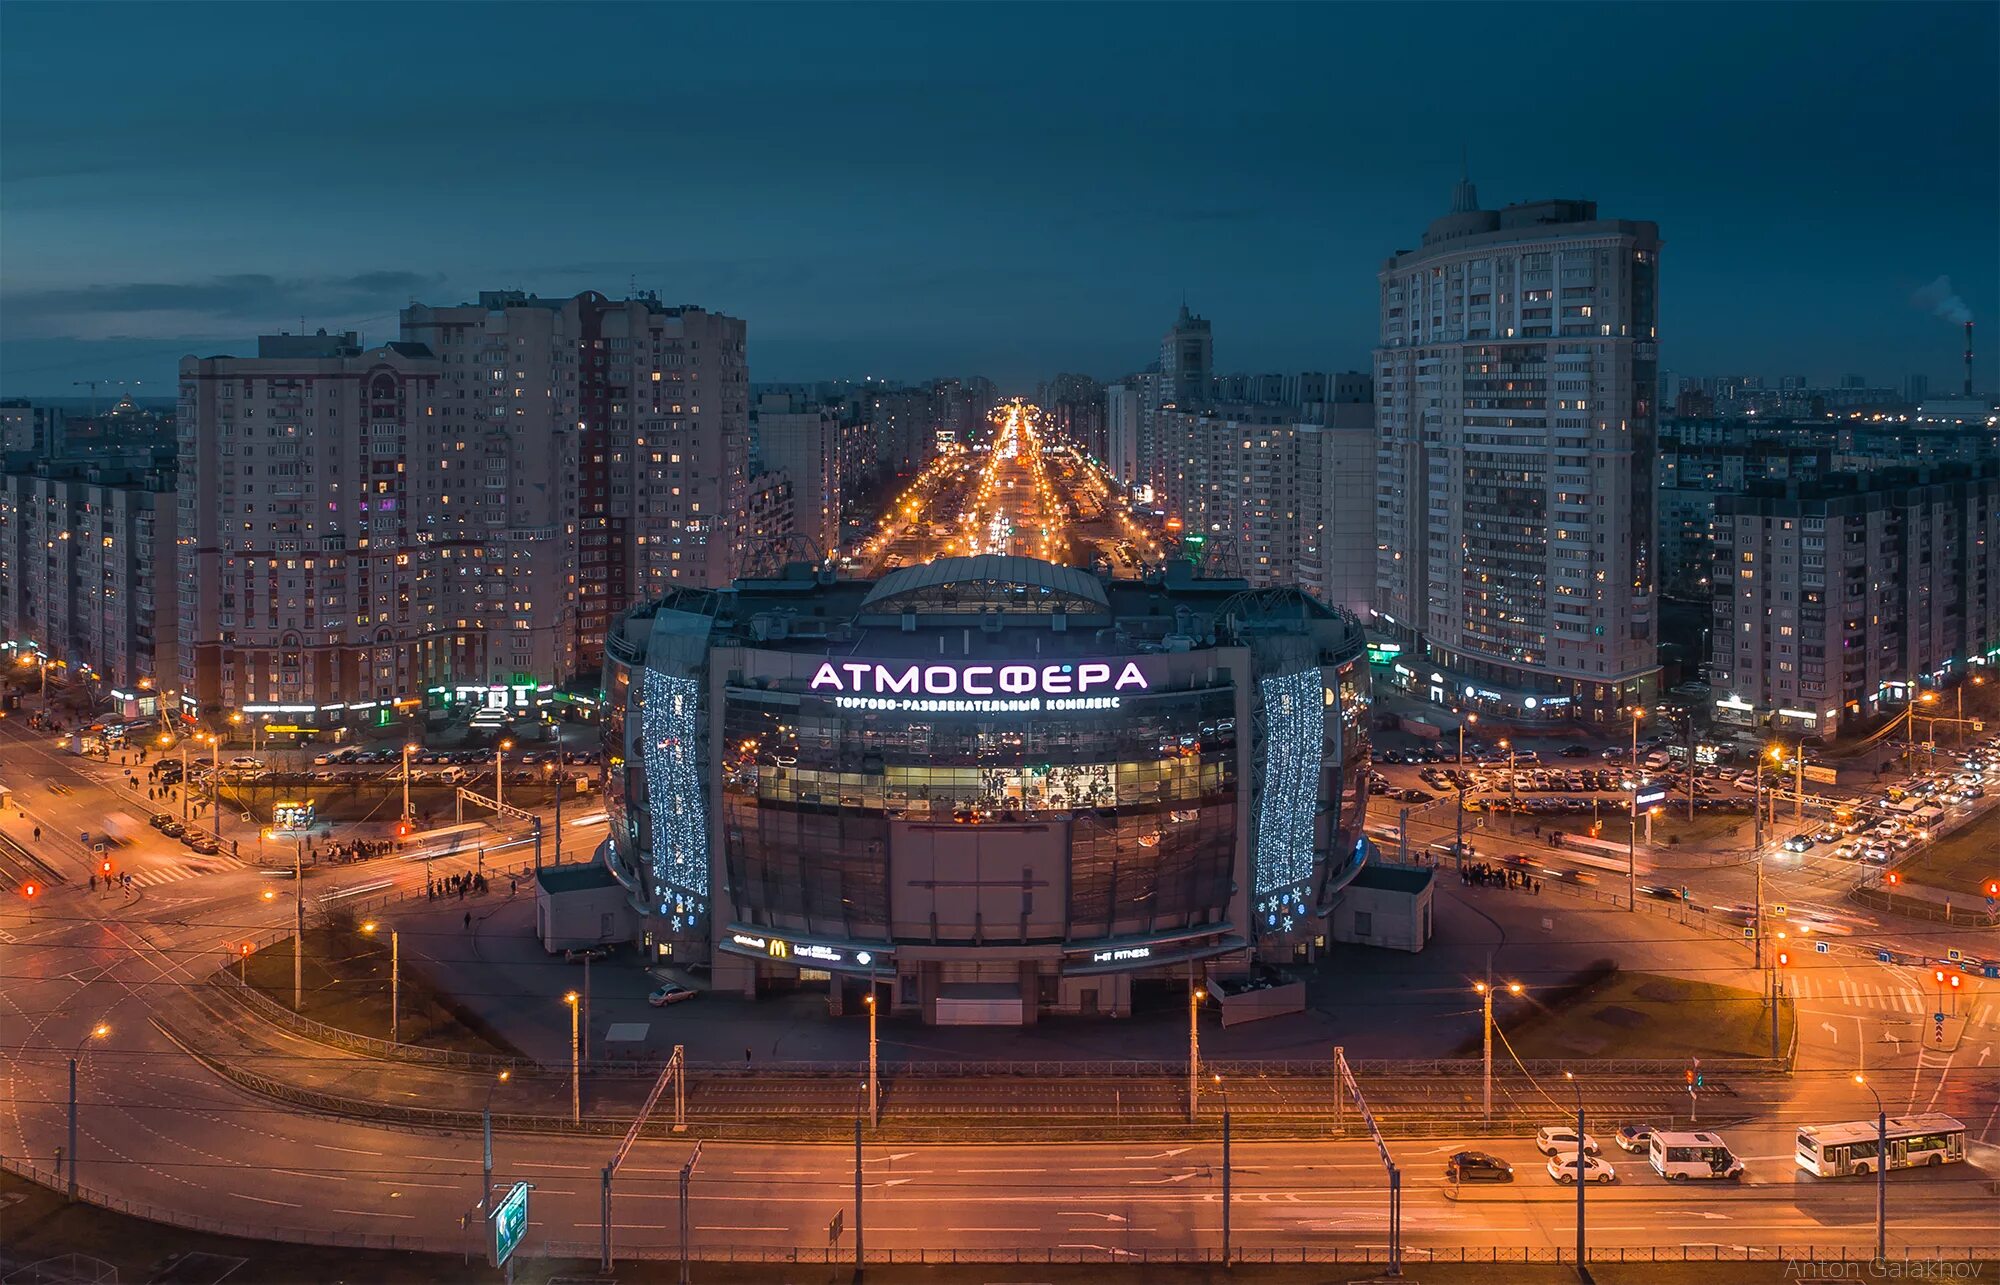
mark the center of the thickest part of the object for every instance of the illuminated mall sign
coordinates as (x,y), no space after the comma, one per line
(794,951)
(926,688)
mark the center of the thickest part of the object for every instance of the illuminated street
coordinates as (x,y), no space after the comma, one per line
(1019,494)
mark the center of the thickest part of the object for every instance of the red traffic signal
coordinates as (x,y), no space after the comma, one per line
(105,869)
(29,890)
(1954,981)
(1783,959)
(1892,878)
(1993,887)
(1690,1075)
(1940,976)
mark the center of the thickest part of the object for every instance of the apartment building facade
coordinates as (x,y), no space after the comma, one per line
(1514,506)
(87,569)
(1834,600)
(312,579)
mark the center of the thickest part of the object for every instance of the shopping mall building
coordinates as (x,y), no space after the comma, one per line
(988,787)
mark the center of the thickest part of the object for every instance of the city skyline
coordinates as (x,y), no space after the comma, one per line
(786,207)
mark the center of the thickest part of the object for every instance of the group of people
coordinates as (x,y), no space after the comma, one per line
(1487,876)
(461,884)
(359,849)
(124,881)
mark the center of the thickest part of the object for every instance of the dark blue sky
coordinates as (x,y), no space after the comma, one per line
(915,190)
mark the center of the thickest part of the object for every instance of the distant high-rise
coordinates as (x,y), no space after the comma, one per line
(1916,388)
(1515,387)
(802,441)
(1122,415)
(1184,379)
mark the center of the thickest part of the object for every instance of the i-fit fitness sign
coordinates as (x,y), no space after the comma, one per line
(918,688)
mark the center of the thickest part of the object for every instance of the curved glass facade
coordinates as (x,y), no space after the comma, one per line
(1148,794)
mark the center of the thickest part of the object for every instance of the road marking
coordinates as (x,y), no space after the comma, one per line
(356,1151)
(978,1229)
(377,1213)
(717,1227)
(1115,1169)
(1154,1182)
(1086,1213)
(1164,1155)
(260,1200)
(327,1177)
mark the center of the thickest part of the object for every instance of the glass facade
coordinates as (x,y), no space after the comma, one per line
(812,792)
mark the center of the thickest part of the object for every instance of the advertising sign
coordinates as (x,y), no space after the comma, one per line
(930,688)
(510,1224)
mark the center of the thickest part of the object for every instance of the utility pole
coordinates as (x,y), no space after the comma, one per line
(860,1236)
(298,916)
(874,1097)
(687,1177)
(1225,1184)
(72,1128)
(1194,1041)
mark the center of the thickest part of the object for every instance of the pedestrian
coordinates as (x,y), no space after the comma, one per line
(746,1055)
(93,883)
(38,834)
(468,919)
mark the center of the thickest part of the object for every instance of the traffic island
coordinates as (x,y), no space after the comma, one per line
(1636,1014)
(347,986)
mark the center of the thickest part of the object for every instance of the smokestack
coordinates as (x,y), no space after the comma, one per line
(1968,361)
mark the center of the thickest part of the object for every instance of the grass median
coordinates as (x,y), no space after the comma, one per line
(1647,1015)
(347,985)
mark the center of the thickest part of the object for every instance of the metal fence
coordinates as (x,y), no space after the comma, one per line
(553,1250)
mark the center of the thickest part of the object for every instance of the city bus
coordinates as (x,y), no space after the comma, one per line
(1837,1150)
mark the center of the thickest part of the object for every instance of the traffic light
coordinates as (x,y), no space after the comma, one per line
(1954,981)
(1993,887)
(402,829)
(1690,1076)
(105,868)
(1784,958)
(30,890)
(1940,976)
(1892,878)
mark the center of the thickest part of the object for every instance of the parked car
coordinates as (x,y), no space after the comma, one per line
(1550,1139)
(159,820)
(173,829)
(201,841)
(1575,751)
(671,993)
(1634,1137)
(1562,1167)
(1477,1166)
(246,763)
(577,954)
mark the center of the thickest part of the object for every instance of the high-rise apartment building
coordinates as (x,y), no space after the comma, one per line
(802,440)
(1835,599)
(1183,380)
(87,569)
(1123,412)
(29,429)
(314,573)
(1515,387)
(613,442)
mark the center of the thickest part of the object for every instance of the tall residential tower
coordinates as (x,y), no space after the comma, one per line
(1515,387)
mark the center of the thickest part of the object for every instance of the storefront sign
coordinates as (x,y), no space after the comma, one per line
(862,678)
(1121,955)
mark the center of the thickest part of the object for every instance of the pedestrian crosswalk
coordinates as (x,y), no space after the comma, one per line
(173,870)
(1909,1001)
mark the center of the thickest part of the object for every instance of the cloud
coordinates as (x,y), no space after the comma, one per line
(234,303)
(1940,300)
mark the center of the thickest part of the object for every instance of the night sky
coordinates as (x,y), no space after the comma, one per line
(913,191)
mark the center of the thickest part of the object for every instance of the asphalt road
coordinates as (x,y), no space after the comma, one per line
(158,1130)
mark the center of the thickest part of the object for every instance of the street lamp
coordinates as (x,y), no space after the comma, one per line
(1485,990)
(874,1099)
(1881,1171)
(97,1032)
(499,757)
(1582,1172)
(395,981)
(1224,1090)
(408,816)
(486,1123)
(575,1069)
(1469,718)
(1638,713)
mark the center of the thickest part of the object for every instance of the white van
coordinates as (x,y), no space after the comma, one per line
(1680,1156)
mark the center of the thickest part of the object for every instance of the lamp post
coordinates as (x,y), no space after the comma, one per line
(499,758)
(186,785)
(214,782)
(408,749)
(1881,1171)
(1194,1042)
(1638,713)
(1485,990)
(97,1032)
(486,1123)
(1581,1171)
(874,1098)
(395,981)
(560,773)
(575,1067)
(1224,1089)
(1469,718)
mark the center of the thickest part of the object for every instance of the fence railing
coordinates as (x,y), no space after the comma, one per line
(557,1250)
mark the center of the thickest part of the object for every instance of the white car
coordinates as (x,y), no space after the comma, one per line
(671,993)
(1550,1139)
(1562,1167)
(246,762)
